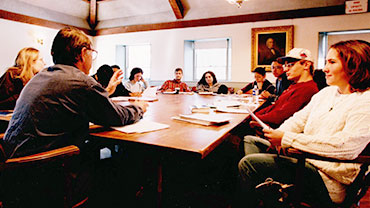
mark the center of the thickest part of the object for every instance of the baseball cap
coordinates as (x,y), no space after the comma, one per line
(296,54)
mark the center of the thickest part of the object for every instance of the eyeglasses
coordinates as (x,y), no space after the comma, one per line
(94,53)
(288,65)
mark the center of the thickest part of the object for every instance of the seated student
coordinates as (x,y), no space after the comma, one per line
(104,75)
(336,124)
(261,82)
(282,82)
(56,106)
(299,69)
(319,78)
(115,68)
(28,63)
(208,83)
(170,85)
(133,85)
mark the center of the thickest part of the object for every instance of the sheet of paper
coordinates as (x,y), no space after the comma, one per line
(169,92)
(205,93)
(142,126)
(150,92)
(257,119)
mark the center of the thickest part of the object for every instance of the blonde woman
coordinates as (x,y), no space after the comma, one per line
(28,63)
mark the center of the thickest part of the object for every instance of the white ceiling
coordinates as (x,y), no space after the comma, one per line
(115,13)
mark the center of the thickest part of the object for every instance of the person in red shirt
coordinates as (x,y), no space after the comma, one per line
(298,66)
(171,85)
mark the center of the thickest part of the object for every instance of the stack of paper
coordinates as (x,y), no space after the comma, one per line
(231,110)
(204,119)
(128,98)
(200,108)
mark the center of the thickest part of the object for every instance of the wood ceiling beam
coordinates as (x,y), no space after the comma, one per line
(291,14)
(37,21)
(178,8)
(93,13)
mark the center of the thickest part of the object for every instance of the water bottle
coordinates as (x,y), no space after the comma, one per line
(255,94)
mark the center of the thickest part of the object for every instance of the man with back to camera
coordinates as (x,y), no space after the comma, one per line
(56,106)
(170,85)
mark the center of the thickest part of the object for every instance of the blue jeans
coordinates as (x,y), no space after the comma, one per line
(257,165)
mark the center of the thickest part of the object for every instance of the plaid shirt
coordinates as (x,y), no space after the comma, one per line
(172,84)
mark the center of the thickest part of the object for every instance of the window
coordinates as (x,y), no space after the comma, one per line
(207,55)
(326,39)
(131,56)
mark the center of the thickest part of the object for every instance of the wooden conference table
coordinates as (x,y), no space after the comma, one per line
(181,138)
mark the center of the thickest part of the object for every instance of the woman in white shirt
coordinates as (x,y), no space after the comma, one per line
(136,83)
(336,124)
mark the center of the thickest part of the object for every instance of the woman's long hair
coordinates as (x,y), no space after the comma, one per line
(203,80)
(134,71)
(23,67)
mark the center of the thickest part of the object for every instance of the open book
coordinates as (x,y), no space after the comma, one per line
(204,119)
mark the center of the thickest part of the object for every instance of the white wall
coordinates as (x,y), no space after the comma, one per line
(14,36)
(168,45)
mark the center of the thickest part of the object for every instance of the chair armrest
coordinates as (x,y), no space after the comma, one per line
(292,152)
(43,157)
(56,153)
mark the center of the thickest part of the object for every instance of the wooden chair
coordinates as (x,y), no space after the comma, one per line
(355,191)
(38,162)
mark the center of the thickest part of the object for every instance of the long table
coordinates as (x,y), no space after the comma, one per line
(182,136)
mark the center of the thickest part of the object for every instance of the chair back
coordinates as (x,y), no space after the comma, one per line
(28,178)
(354,192)
(361,184)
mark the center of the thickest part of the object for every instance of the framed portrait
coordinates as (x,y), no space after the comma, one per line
(269,43)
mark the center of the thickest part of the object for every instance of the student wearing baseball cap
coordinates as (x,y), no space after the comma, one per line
(298,66)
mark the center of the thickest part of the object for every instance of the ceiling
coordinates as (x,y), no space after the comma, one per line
(106,14)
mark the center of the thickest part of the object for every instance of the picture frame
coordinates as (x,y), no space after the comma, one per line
(269,43)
